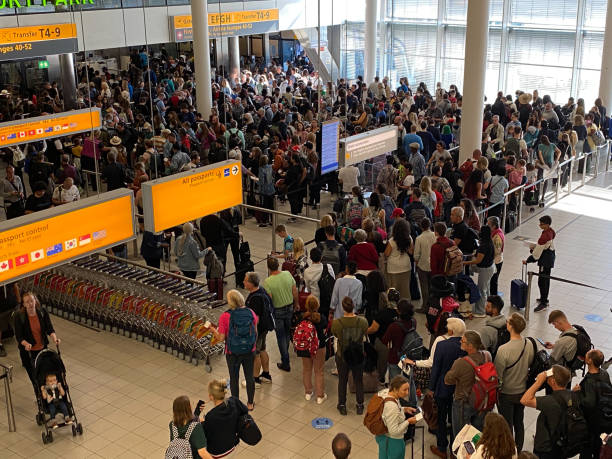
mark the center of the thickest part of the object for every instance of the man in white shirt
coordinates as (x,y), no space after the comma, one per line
(422,251)
(348,176)
(66,192)
(312,274)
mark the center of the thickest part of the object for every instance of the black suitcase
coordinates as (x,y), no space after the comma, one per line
(518,290)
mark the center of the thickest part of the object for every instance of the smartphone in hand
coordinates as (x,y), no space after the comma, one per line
(469,447)
(198,408)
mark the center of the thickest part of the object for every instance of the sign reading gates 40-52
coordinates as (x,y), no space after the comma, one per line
(179,198)
(34,41)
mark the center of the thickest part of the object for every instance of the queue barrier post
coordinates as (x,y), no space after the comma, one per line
(274,224)
(558,187)
(584,167)
(528,299)
(7,375)
(519,207)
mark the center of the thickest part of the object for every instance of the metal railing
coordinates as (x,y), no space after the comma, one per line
(558,174)
(275,213)
(7,375)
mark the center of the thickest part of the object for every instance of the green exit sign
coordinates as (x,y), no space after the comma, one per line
(43,64)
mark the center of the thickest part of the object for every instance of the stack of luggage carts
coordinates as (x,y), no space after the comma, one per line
(166,312)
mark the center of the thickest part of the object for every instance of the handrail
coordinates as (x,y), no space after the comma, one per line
(7,375)
(522,187)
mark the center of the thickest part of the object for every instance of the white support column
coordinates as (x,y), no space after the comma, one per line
(476,37)
(201,55)
(234,58)
(605,80)
(266,48)
(370,41)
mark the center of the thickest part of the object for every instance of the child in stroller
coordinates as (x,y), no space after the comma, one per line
(54,394)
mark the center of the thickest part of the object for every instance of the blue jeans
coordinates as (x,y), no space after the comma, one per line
(282,317)
(54,406)
(394,371)
(464,413)
(445,409)
(390,448)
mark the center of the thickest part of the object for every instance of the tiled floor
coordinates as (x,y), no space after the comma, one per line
(123,389)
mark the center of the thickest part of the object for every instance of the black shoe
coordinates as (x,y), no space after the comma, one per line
(282,367)
(265,377)
(360,408)
(342,410)
(540,307)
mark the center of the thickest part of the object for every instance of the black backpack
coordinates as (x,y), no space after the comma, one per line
(326,287)
(572,436)
(267,318)
(541,362)
(503,336)
(583,345)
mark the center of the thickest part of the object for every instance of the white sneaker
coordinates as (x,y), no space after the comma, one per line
(321,399)
(257,385)
(308,397)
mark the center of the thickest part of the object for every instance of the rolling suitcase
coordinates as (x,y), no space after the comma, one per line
(518,290)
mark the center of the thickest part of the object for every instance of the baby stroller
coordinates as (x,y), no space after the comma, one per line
(47,362)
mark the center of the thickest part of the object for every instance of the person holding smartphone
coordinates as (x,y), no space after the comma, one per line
(392,445)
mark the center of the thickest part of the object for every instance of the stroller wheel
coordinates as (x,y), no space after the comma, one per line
(39,419)
(80,428)
(50,437)
(44,438)
(74,430)
(208,368)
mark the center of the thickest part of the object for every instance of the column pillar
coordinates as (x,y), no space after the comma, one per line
(201,53)
(605,80)
(234,57)
(66,62)
(370,40)
(266,48)
(475,66)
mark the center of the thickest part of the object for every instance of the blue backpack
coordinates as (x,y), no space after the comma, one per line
(242,334)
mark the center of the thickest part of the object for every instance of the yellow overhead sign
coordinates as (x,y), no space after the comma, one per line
(179,198)
(55,236)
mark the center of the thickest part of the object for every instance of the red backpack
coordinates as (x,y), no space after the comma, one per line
(486,384)
(305,339)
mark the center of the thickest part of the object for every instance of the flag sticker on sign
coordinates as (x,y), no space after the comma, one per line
(22,260)
(6,265)
(37,255)
(71,244)
(57,248)
(99,234)
(85,239)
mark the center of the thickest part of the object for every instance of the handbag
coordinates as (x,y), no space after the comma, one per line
(248,431)
(430,411)
(422,376)
(330,349)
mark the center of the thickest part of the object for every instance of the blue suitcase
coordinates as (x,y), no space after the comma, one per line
(518,290)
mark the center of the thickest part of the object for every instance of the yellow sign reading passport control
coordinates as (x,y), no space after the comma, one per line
(179,198)
(51,237)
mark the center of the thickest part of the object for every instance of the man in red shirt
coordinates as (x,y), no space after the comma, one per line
(438,250)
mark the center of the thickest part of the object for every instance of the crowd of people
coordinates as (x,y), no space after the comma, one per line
(417,235)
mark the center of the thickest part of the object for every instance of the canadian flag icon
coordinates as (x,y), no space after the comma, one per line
(37,255)
(6,265)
